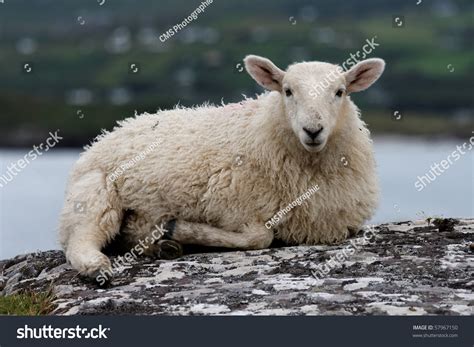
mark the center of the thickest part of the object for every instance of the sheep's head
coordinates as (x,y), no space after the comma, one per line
(314,94)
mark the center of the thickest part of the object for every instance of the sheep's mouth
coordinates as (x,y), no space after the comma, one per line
(315,146)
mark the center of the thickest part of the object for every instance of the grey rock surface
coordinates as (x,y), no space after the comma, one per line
(410,268)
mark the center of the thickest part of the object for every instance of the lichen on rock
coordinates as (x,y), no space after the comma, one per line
(408,268)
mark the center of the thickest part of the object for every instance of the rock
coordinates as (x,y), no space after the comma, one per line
(406,268)
(3,282)
(10,285)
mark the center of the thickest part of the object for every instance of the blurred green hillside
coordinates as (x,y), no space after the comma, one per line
(80,54)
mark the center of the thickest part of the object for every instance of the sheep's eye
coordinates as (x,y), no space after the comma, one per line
(339,93)
(288,92)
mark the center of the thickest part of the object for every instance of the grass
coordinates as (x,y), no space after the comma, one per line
(416,124)
(27,304)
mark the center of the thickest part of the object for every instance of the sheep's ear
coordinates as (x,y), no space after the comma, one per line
(364,74)
(264,72)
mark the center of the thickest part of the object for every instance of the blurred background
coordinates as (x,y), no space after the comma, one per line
(79,66)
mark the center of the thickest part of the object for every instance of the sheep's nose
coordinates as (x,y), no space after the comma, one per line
(312,133)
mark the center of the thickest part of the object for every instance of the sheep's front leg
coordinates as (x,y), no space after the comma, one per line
(251,236)
(91,217)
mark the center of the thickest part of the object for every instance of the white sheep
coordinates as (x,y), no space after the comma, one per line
(219,174)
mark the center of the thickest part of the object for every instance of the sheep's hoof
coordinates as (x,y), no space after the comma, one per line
(169,249)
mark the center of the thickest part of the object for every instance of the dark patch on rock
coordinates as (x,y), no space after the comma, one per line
(445,224)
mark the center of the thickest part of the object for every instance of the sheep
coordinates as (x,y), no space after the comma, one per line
(217,175)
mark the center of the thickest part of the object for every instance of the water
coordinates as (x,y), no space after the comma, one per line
(31,202)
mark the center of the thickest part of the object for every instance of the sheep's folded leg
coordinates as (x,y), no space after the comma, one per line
(142,235)
(250,236)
